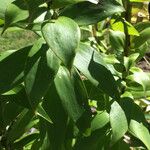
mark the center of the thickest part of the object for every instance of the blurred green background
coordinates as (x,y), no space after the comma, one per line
(14,39)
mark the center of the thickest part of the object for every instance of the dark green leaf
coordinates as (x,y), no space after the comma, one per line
(12,64)
(53,107)
(21,125)
(121,145)
(144,35)
(132,110)
(8,113)
(18,97)
(94,142)
(86,13)
(25,140)
(62,3)
(82,98)
(91,64)
(41,68)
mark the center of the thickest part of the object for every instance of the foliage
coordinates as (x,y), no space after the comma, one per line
(16,38)
(78,86)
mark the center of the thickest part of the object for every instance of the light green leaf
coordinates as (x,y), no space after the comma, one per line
(139,0)
(62,36)
(140,131)
(100,120)
(130,61)
(140,94)
(67,95)
(118,122)
(142,78)
(3,6)
(118,25)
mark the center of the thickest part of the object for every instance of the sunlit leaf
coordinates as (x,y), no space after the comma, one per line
(118,122)
(67,94)
(91,64)
(140,131)
(62,36)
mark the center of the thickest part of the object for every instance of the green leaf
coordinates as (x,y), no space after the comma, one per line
(139,0)
(86,13)
(42,113)
(132,110)
(67,94)
(53,107)
(3,6)
(62,36)
(15,12)
(18,97)
(130,61)
(36,9)
(21,125)
(142,26)
(25,140)
(144,36)
(12,64)
(100,120)
(79,88)
(41,67)
(91,64)
(82,98)
(94,142)
(140,94)
(140,131)
(118,122)
(121,145)
(46,143)
(8,113)
(118,25)
(117,41)
(142,78)
(62,3)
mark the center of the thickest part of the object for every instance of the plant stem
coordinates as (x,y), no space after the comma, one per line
(128,8)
